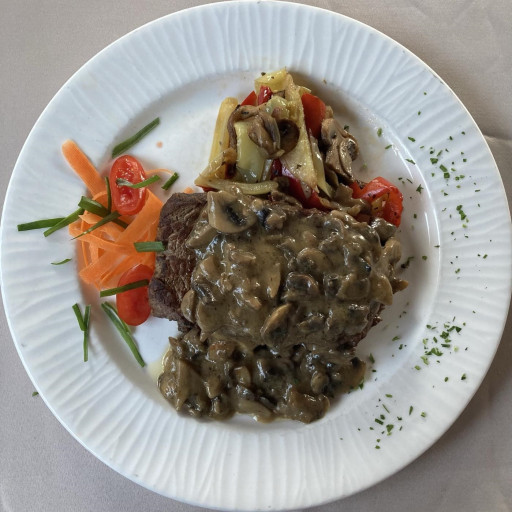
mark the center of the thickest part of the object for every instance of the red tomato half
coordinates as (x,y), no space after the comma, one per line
(314,113)
(126,200)
(133,305)
(377,188)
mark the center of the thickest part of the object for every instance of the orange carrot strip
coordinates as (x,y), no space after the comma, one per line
(83,167)
(188,190)
(106,245)
(109,264)
(112,276)
(95,271)
(148,215)
(156,171)
(112,229)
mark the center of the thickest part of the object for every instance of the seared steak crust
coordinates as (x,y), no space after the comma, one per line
(175,265)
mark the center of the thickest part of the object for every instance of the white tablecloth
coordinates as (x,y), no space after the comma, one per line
(42,43)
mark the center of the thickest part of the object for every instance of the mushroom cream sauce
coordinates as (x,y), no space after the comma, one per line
(279,298)
(281,294)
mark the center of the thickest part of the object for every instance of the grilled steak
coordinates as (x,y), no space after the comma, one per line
(175,265)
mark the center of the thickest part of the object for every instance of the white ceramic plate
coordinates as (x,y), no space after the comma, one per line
(456,228)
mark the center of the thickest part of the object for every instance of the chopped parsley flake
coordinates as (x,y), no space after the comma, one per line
(410,161)
(379,132)
(412,139)
(463,216)
(419,189)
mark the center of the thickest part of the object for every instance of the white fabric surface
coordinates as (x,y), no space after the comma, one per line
(467,42)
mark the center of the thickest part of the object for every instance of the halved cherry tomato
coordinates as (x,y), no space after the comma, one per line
(133,305)
(126,200)
(314,113)
(385,196)
(251,99)
(308,197)
(264,95)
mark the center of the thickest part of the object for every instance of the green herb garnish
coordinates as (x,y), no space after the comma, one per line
(124,288)
(92,206)
(38,224)
(87,318)
(123,330)
(66,221)
(141,184)
(109,195)
(83,323)
(61,262)
(108,218)
(131,141)
(170,181)
(149,246)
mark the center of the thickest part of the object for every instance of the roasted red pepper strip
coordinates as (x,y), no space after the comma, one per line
(314,113)
(264,95)
(251,99)
(296,189)
(392,208)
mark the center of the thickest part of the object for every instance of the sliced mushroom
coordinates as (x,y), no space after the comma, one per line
(300,286)
(264,132)
(384,229)
(271,280)
(314,322)
(274,136)
(201,235)
(341,149)
(311,259)
(227,214)
(289,132)
(275,326)
(188,305)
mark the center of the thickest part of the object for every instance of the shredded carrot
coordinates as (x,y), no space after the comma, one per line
(145,218)
(108,251)
(189,190)
(151,172)
(83,167)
